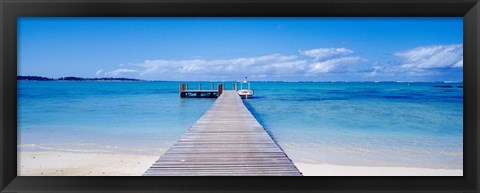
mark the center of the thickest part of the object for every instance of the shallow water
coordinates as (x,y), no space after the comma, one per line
(136,117)
(383,124)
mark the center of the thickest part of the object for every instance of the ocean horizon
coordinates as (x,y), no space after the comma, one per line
(359,123)
(237,81)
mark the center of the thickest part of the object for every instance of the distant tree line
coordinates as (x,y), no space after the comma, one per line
(72,78)
(38,78)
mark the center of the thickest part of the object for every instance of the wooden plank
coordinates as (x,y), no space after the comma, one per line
(226,141)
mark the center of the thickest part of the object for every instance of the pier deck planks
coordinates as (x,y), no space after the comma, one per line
(226,141)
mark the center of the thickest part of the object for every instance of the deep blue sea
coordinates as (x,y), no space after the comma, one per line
(341,123)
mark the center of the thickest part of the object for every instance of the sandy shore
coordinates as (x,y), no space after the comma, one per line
(82,164)
(335,170)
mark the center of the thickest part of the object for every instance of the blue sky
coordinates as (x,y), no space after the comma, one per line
(288,49)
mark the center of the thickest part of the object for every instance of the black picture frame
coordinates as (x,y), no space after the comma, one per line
(10,10)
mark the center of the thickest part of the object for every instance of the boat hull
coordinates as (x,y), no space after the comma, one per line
(245,93)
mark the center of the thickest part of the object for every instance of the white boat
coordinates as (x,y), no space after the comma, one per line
(245,93)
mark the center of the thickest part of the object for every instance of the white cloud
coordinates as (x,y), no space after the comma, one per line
(325,53)
(120,72)
(272,63)
(99,72)
(420,63)
(326,62)
(335,65)
(264,66)
(459,64)
(438,56)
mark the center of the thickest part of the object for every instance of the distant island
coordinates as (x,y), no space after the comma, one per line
(72,78)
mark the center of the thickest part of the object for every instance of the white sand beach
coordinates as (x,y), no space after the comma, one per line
(336,170)
(83,164)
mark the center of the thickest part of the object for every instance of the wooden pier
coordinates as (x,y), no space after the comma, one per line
(226,141)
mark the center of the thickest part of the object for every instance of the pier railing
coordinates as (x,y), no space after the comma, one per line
(203,93)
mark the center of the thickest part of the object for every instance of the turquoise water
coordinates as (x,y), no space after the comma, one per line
(116,117)
(342,123)
(386,124)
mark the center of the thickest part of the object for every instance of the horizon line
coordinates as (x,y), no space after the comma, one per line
(376,81)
